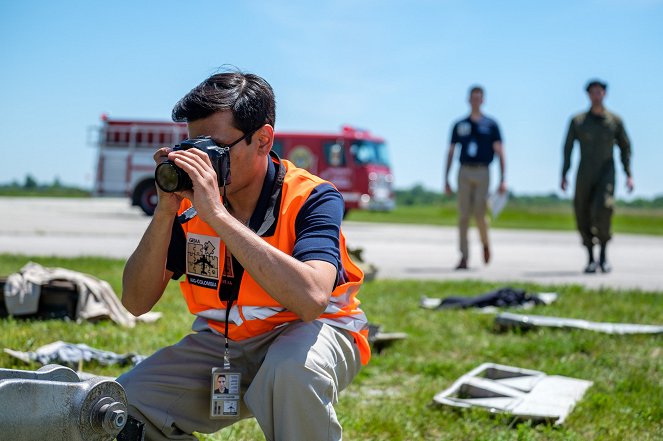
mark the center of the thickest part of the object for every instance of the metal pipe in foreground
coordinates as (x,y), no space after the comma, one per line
(53,404)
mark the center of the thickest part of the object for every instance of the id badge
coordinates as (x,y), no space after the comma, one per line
(225,394)
(472,149)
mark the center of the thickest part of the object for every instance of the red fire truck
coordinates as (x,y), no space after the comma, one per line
(354,160)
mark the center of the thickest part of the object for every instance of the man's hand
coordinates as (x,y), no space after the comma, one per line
(563,184)
(204,196)
(629,184)
(447,189)
(502,188)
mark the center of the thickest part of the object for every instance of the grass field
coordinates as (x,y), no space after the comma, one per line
(519,215)
(391,399)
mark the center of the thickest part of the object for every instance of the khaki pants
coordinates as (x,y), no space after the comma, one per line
(291,378)
(473,184)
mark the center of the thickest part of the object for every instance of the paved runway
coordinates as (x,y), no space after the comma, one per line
(111,227)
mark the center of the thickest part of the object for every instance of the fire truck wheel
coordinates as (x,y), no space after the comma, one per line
(146,197)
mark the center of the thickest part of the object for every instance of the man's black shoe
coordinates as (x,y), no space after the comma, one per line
(605,267)
(590,268)
(462,265)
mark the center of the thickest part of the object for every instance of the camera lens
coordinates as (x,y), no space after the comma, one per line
(171,178)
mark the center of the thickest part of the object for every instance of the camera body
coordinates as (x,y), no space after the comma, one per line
(170,177)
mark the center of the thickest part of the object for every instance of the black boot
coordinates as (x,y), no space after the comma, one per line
(591,264)
(603,261)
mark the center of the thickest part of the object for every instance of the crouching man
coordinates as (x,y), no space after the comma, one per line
(264,269)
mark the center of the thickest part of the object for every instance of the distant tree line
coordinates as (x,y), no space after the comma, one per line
(418,195)
(30,187)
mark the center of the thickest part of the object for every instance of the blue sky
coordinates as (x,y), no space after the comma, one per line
(400,69)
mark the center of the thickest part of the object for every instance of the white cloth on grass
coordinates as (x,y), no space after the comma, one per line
(70,354)
(96,298)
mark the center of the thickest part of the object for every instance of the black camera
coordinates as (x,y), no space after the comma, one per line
(170,177)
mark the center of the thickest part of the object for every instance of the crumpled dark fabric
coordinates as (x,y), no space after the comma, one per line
(502,297)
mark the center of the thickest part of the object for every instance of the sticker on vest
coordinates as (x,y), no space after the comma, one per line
(226,393)
(202,260)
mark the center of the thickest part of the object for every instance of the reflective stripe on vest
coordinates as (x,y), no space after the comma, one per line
(351,323)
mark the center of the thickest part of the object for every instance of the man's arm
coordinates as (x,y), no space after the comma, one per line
(450,157)
(454,139)
(498,147)
(568,148)
(302,287)
(624,144)
(145,275)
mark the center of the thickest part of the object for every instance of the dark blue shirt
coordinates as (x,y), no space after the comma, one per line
(317,227)
(476,139)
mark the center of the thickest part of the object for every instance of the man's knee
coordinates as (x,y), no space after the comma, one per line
(303,366)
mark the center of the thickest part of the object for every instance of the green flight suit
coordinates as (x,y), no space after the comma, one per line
(595,181)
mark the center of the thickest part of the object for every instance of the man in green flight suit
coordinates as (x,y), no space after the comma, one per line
(597,130)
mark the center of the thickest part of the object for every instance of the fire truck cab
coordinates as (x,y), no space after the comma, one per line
(354,160)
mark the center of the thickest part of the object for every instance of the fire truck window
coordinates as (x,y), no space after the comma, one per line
(334,154)
(277,148)
(368,152)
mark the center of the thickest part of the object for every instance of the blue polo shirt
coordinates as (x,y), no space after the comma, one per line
(476,140)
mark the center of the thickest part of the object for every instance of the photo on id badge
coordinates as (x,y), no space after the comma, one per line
(225,396)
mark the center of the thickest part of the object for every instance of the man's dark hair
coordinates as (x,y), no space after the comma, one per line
(476,88)
(249,97)
(602,84)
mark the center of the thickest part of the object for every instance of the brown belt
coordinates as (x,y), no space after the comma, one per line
(474,165)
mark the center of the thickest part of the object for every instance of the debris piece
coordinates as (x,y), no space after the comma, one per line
(370,270)
(380,340)
(523,393)
(506,320)
(63,293)
(72,355)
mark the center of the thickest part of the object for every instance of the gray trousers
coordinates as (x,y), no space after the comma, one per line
(291,378)
(472,202)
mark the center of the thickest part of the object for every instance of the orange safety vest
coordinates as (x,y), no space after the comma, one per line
(255,311)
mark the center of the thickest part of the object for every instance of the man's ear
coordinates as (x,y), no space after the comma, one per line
(265,138)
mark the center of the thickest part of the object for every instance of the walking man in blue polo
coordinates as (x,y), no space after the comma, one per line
(480,140)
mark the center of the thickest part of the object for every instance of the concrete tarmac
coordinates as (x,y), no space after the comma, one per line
(110,227)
